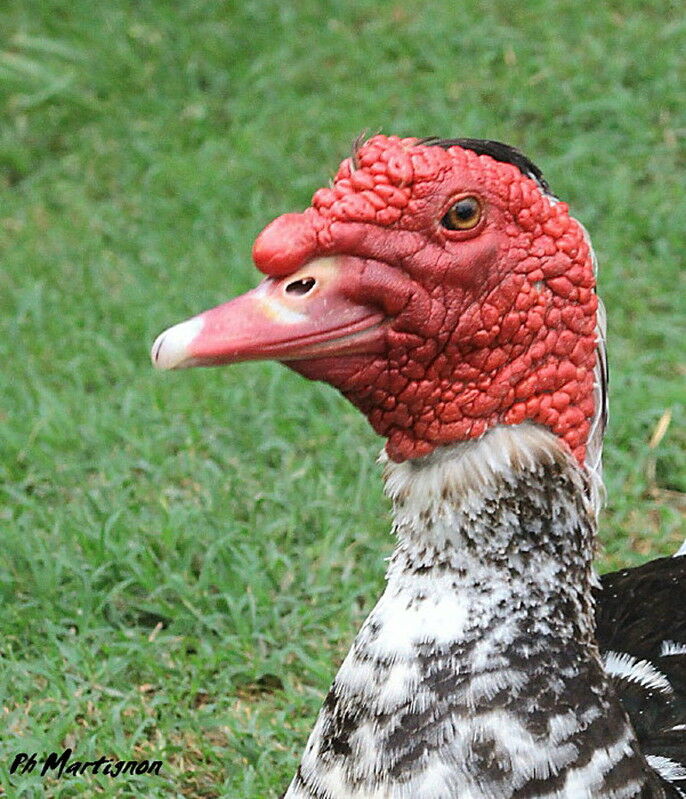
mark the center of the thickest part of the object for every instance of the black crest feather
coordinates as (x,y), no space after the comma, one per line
(496,150)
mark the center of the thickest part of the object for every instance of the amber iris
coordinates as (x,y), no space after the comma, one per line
(463,215)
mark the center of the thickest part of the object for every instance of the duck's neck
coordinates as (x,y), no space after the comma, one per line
(477,674)
(504,524)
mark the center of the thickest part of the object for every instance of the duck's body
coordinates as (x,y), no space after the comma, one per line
(477,673)
(444,290)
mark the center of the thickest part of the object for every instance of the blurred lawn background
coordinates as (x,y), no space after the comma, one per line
(187,556)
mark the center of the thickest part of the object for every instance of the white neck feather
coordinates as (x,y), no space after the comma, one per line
(461,474)
(511,510)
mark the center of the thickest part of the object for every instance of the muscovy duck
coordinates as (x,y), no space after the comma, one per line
(449,295)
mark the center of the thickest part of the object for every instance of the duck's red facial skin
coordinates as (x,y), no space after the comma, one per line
(484,326)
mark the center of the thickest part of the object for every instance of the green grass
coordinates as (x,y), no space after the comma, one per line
(187,556)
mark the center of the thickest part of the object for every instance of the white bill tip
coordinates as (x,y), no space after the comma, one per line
(171,348)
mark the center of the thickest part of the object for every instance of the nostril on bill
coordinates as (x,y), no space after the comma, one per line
(301,287)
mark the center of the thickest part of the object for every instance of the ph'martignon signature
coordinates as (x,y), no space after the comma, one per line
(61,765)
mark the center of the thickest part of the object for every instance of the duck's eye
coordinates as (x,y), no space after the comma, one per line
(463,215)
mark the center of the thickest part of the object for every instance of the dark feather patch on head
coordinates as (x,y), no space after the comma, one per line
(496,150)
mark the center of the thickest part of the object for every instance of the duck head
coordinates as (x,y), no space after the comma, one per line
(437,284)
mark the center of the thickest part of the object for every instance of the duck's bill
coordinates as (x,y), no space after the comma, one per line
(305,315)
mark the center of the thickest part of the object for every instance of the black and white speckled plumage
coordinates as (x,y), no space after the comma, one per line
(477,673)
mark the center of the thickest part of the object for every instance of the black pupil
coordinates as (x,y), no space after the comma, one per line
(464,210)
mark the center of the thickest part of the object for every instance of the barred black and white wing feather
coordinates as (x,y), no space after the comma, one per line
(641,618)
